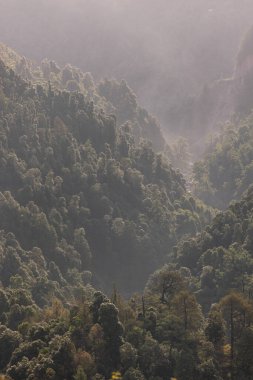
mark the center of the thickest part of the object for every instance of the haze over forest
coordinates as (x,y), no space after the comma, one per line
(166,50)
(126,190)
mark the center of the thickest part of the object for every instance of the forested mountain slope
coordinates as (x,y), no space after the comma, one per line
(213,270)
(80,197)
(92,210)
(109,95)
(79,188)
(226,170)
(221,257)
(84,204)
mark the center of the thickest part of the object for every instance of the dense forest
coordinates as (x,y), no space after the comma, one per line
(226,170)
(80,197)
(120,257)
(86,176)
(111,96)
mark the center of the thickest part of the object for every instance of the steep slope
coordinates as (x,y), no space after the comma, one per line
(221,257)
(82,191)
(110,95)
(244,57)
(221,101)
(78,196)
(226,170)
(199,116)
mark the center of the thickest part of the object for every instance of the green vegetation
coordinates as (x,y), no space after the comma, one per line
(219,267)
(227,170)
(221,256)
(87,203)
(109,96)
(79,197)
(77,187)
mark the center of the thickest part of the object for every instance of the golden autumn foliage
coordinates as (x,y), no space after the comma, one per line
(84,360)
(56,311)
(96,333)
(227,349)
(116,376)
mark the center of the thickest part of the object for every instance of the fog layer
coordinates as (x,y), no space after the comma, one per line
(165,49)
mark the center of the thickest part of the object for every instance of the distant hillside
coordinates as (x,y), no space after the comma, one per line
(226,170)
(245,53)
(221,101)
(202,115)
